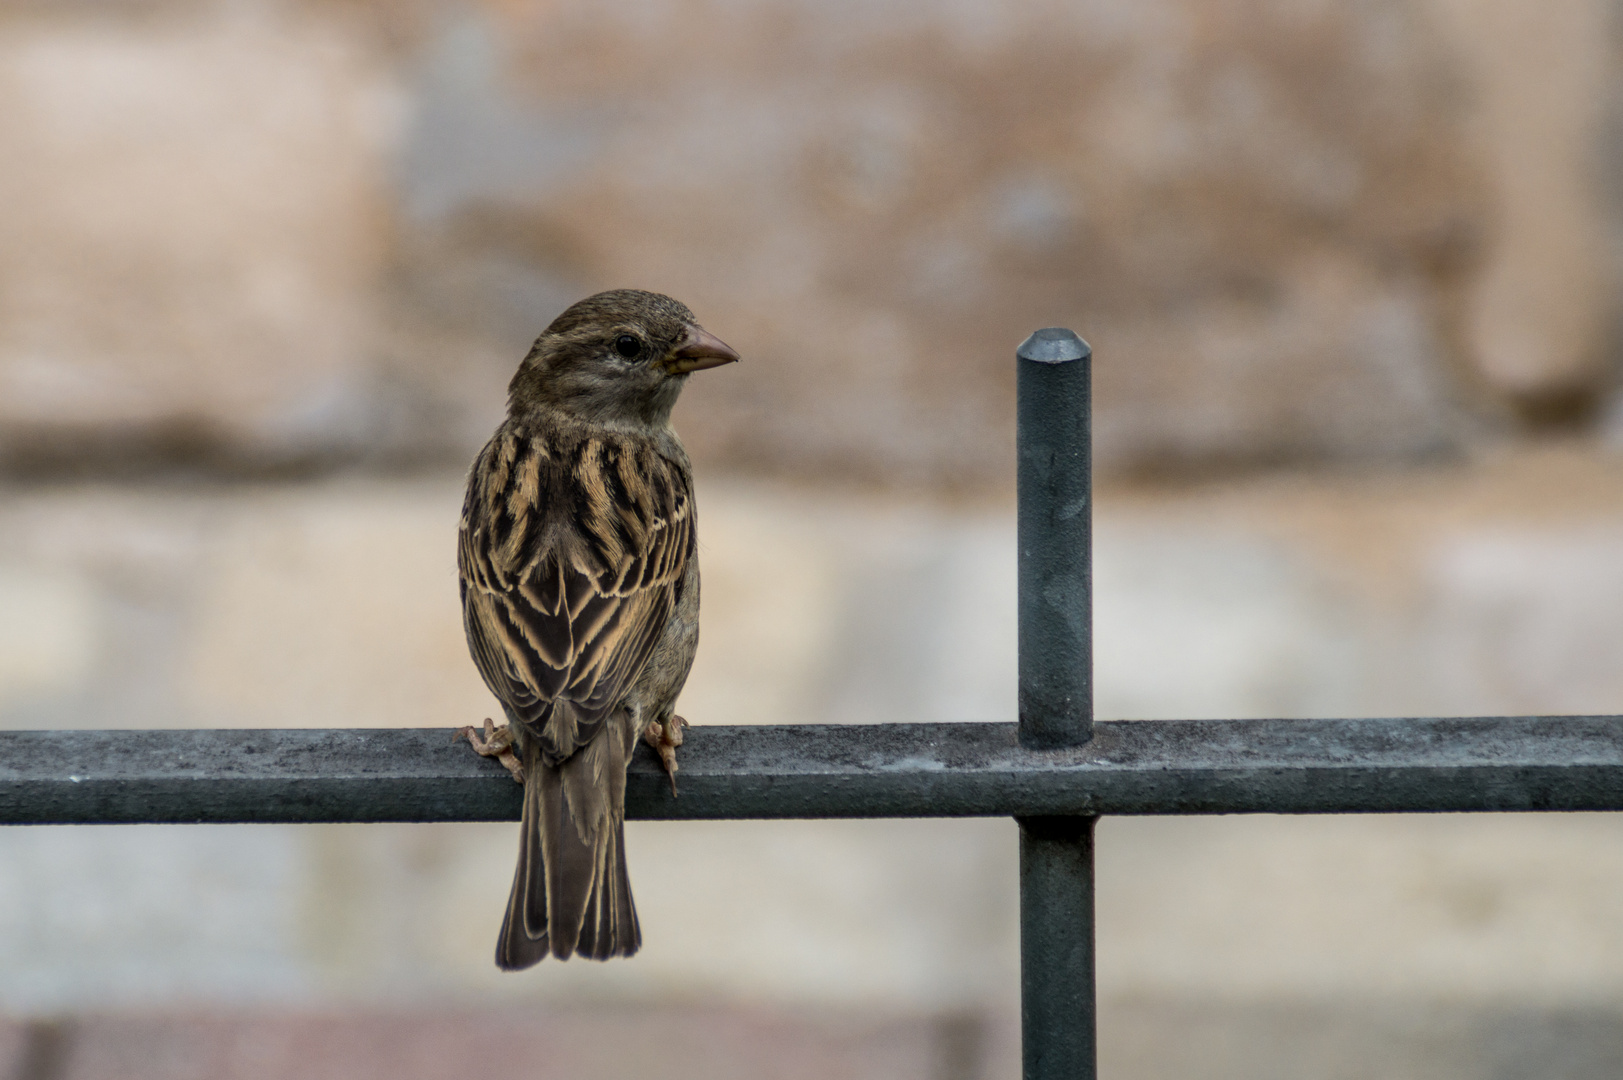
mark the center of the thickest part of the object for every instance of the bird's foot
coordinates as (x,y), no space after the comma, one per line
(665,736)
(497,743)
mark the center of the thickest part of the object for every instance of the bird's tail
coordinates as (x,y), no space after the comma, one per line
(571,893)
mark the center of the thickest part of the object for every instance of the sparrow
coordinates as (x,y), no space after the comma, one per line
(577,554)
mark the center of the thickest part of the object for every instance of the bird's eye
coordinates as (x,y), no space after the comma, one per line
(627,346)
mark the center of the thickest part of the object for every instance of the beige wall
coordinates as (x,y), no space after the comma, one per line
(193,233)
(1541,314)
(1486,590)
(242,243)
(257,234)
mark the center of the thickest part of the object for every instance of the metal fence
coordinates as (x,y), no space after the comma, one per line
(1056,771)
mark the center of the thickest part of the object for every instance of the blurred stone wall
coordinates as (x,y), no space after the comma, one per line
(196,211)
(1494,588)
(272,235)
(1253,208)
(247,246)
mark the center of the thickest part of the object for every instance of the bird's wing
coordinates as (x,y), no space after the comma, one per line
(571,554)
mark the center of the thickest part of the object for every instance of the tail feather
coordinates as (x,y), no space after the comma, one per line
(569,834)
(571,892)
(609,927)
(520,945)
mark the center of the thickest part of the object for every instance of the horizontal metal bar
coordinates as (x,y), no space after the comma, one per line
(811,771)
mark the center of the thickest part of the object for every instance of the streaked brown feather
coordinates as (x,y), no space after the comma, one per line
(576,610)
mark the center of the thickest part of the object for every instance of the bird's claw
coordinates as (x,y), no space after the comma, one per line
(665,736)
(497,743)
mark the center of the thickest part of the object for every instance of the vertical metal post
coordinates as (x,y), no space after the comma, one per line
(1055,534)
(1054,527)
(1057,1023)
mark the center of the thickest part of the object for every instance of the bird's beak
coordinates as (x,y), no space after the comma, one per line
(699,350)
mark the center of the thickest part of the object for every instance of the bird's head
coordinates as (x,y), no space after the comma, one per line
(619,357)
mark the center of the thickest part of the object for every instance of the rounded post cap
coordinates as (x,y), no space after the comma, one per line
(1054,345)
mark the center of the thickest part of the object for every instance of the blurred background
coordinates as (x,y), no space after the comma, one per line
(1351,271)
